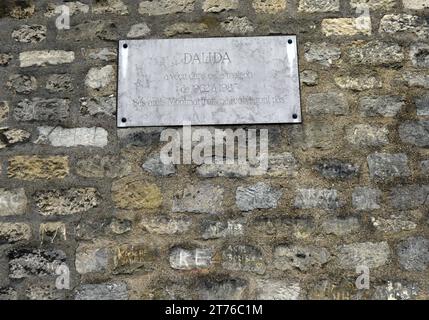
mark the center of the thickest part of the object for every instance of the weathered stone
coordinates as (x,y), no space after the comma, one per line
(346,26)
(282,165)
(369,254)
(336,169)
(237,25)
(219,6)
(317,198)
(110,6)
(155,166)
(374,4)
(163,7)
(422,105)
(258,196)
(103,291)
(283,226)
(225,289)
(395,291)
(12,202)
(101,81)
(139,30)
(184,259)
(30,33)
(277,290)
(59,83)
(312,6)
(386,167)
(200,198)
(135,193)
(8,294)
(414,254)
(322,53)
(327,103)
(300,257)
(106,30)
(5,59)
(74,7)
(98,166)
(44,291)
(11,137)
(376,53)
(269,6)
(36,167)
(309,78)
(340,226)
(395,223)
(409,197)
(419,54)
(130,257)
(415,4)
(185,28)
(416,79)
(101,54)
(415,133)
(66,201)
(243,258)
(424,167)
(22,10)
(222,229)
(72,137)
(44,58)
(386,106)
(404,24)
(50,232)
(21,83)
(92,258)
(319,134)
(24,263)
(14,232)
(98,106)
(120,225)
(39,109)
(4,111)
(358,83)
(365,135)
(165,225)
(364,198)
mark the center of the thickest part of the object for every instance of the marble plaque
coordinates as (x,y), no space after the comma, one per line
(208,81)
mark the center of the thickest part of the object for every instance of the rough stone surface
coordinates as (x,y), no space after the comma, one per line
(4,111)
(346,27)
(44,58)
(203,198)
(365,135)
(419,54)
(103,291)
(243,258)
(103,166)
(309,77)
(422,105)
(135,193)
(376,53)
(22,84)
(91,258)
(12,202)
(258,196)
(34,167)
(59,83)
(4,59)
(393,224)
(237,25)
(277,290)
(415,4)
(185,28)
(30,33)
(415,133)
(269,6)
(39,109)
(409,197)
(340,226)
(100,81)
(383,166)
(98,106)
(183,259)
(302,258)
(312,6)
(10,137)
(374,4)
(219,6)
(336,169)
(386,106)
(358,83)
(327,103)
(110,6)
(164,7)
(14,232)
(139,30)
(73,137)
(317,198)
(322,53)
(414,253)
(404,24)
(365,198)
(155,166)
(369,254)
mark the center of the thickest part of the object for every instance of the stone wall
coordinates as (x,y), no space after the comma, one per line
(348,187)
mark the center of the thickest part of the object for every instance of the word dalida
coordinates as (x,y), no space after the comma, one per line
(206,58)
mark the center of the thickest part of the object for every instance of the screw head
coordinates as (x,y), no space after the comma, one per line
(295,116)
(124,120)
(290,41)
(125,46)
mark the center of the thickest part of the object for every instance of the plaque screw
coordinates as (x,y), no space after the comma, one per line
(295,116)
(290,41)
(124,120)
(125,46)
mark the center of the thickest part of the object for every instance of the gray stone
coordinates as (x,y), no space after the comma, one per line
(386,106)
(258,196)
(309,77)
(404,24)
(359,82)
(322,53)
(165,225)
(110,6)
(184,259)
(75,7)
(202,198)
(139,30)
(416,79)
(101,54)
(424,167)
(422,105)
(219,6)
(10,137)
(227,289)
(72,137)
(300,257)
(5,59)
(91,258)
(12,202)
(21,83)
(222,229)
(59,83)
(98,106)
(374,4)
(277,290)
(103,291)
(44,291)
(25,263)
(66,201)
(8,293)
(44,58)
(414,254)
(30,33)
(101,81)
(317,199)
(282,165)
(376,53)
(163,7)
(4,111)
(211,170)
(312,6)
(327,103)
(185,28)
(364,198)
(237,25)
(103,166)
(409,197)
(415,133)
(120,225)
(39,109)
(415,4)
(243,258)
(155,166)
(340,226)
(395,291)
(369,254)
(366,135)
(386,167)
(419,54)
(92,30)
(393,224)
(14,232)
(336,169)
